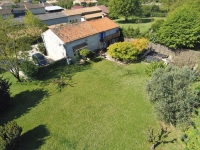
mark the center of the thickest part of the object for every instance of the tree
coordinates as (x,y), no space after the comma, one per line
(34,26)
(5,94)
(178,31)
(65,3)
(170,92)
(192,139)
(124,8)
(103,2)
(12,46)
(123,51)
(9,136)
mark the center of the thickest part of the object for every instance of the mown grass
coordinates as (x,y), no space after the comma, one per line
(103,106)
(143,25)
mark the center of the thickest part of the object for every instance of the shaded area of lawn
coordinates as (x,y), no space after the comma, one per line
(22,103)
(105,109)
(34,138)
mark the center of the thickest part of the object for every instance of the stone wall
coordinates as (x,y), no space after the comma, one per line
(182,57)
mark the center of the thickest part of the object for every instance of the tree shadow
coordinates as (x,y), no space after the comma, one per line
(131,21)
(61,69)
(22,103)
(34,138)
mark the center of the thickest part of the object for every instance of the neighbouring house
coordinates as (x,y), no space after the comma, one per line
(67,40)
(49,18)
(6,13)
(104,9)
(78,15)
(36,8)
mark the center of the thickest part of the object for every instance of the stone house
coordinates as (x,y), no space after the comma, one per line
(67,40)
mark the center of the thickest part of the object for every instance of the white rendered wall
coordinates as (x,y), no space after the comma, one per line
(54,45)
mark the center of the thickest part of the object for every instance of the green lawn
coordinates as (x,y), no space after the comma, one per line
(144,25)
(102,107)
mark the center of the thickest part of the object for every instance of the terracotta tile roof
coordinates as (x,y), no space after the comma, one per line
(77,7)
(82,11)
(102,24)
(90,16)
(104,9)
(71,32)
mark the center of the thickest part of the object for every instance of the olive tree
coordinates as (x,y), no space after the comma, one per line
(173,99)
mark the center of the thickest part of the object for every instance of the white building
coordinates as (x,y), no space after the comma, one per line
(66,40)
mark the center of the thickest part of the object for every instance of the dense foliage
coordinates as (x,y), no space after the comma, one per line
(181,28)
(65,3)
(140,44)
(42,48)
(9,136)
(123,51)
(193,135)
(153,11)
(123,8)
(170,92)
(4,93)
(29,69)
(14,41)
(130,32)
(85,52)
(12,46)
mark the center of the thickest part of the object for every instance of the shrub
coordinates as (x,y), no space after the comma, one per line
(123,51)
(4,94)
(84,52)
(29,69)
(9,136)
(172,96)
(153,66)
(42,48)
(140,44)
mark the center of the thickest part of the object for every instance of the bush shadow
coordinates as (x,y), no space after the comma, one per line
(22,103)
(34,138)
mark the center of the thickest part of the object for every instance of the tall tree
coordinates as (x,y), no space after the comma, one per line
(170,92)
(12,46)
(125,8)
(34,26)
(177,31)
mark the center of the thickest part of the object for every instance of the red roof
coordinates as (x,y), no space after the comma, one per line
(71,32)
(77,7)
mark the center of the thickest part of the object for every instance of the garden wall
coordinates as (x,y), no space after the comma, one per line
(182,57)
